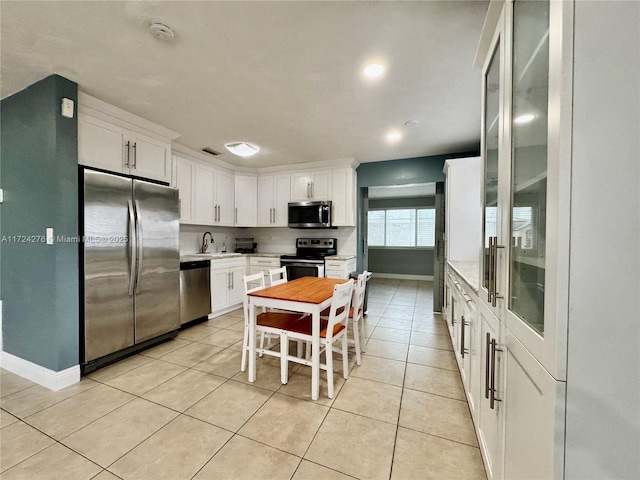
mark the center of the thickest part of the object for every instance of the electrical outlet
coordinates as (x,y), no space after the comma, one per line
(49,236)
(1,195)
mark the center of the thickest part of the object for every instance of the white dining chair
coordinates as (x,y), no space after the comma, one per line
(356,314)
(332,330)
(270,325)
(277,276)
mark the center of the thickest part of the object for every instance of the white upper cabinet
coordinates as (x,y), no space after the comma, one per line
(182,178)
(206,193)
(204,201)
(246,205)
(307,186)
(150,158)
(273,199)
(117,141)
(101,144)
(225,198)
(343,195)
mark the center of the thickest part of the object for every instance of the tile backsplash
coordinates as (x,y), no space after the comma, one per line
(269,240)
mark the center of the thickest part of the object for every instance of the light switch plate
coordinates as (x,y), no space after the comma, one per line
(1,195)
(67,108)
(49,236)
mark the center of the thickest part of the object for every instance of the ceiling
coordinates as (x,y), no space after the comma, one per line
(286,76)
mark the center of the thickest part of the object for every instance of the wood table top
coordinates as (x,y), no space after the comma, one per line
(304,289)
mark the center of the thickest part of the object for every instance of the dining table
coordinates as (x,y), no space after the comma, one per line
(309,295)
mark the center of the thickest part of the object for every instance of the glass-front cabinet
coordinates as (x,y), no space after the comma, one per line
(528,186)
(526,176)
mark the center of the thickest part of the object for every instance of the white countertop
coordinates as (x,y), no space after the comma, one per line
(469,271)
(217,256)
(340,257)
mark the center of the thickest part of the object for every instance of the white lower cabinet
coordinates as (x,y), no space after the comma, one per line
(263,264)
(339,268)
(515,403)
(227,289)
(533,404)
(490,408)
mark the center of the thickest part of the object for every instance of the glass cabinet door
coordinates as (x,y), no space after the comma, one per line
(492,138)
(529,129)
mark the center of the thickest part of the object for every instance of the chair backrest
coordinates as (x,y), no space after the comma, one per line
(277,276)
(358,296)
(251,283)
(340,303)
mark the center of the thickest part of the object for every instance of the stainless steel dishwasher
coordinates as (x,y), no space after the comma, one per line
(195,290)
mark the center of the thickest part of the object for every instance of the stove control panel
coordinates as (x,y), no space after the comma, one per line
(320,243)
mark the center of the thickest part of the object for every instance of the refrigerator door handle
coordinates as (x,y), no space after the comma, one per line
(139,247)
(132,249)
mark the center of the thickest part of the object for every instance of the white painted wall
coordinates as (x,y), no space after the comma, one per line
(603,369)
(463,209)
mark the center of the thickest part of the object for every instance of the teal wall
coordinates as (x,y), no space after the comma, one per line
(400,172)
(40,282)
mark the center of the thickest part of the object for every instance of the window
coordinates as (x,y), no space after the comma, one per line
(402,227)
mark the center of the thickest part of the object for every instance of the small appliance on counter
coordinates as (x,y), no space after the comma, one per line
(246,245)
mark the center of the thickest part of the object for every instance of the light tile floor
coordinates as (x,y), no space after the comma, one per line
(184,410)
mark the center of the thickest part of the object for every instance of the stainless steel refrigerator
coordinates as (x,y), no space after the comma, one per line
(131,265)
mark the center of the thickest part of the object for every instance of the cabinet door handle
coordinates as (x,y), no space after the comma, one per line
(462,334)
(313,189)
(274,214)
(127,149)
(236,221)
(135,155)
(495,269)
(493,398)
(179,208)
(490,267)
(487,365)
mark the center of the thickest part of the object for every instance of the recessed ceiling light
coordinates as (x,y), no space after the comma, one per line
(526,118)
(393,136)
(242,149)
(374,70)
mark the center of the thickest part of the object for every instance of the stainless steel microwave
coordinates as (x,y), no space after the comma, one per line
(310,215)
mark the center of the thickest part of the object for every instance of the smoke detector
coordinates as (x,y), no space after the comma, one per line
(162,31)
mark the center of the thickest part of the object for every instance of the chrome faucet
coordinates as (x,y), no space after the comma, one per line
(205,245)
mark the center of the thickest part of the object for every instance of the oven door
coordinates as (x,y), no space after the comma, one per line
(302,269)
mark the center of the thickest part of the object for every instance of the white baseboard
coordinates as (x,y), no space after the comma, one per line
(224,311)
(402,276)
(38,374)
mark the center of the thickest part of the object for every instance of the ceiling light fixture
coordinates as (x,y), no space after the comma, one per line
(374,70)
(526,118)
(242,149)
(411,123)
(393,136)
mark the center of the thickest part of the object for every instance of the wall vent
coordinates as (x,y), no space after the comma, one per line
(210,151)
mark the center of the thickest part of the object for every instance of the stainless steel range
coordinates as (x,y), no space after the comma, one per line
(309,258)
